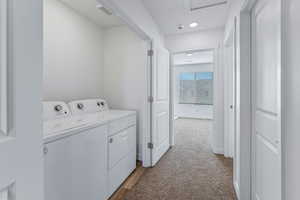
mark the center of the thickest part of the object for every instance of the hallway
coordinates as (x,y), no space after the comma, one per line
(189,171)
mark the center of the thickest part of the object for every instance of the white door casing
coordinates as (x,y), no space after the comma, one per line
(160,104)
(21,169)
(266,100)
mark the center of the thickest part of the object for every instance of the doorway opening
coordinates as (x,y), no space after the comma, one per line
(96,69)
(192,89)
(199,85)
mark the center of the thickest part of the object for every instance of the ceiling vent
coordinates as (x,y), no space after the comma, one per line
(195,5)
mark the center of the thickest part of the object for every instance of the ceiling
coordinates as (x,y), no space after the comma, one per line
(168,14)
(88,9)
(195,57)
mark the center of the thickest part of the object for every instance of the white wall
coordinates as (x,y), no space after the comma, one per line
(190,110)
(125,65)
(73,51)
(207,39)
(135,11)
(293,101)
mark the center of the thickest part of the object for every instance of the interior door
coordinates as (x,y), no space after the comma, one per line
(21,157)
(266,26)
(160,105)
(229,103)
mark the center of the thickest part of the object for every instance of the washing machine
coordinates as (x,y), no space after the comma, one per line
(75,154)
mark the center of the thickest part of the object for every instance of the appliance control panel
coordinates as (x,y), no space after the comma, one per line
(55,110)
(88,106)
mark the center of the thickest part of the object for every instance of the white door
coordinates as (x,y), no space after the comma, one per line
(21,156)
(160,105)
(229,101)
(266,37)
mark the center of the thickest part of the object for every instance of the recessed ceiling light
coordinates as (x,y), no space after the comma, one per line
(189,54)
(99,6)
(193,25)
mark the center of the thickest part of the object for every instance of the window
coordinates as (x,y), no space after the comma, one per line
(196,88)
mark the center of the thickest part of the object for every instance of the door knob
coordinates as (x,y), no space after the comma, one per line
(231,106)
(111,140)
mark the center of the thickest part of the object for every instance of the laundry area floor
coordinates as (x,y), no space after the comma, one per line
(189,171)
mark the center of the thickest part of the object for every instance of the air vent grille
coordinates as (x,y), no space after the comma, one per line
(202,4)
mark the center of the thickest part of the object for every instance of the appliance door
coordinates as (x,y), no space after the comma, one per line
(76,166)
(118,147)
(58,175)
(122,157)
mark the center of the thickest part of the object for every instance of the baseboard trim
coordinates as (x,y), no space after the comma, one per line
(219,151)
(200,118)
(159,152)
(139,157)
(237,189)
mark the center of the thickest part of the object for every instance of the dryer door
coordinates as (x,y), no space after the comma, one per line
(117,147)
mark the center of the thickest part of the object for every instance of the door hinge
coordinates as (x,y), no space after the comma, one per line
(150,52)
(150,145)
(150,99)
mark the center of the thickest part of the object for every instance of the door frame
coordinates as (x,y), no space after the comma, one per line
(244,55)
(172,89)
(230,41)
(146,156)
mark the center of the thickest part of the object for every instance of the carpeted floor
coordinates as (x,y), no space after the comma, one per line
(189,171)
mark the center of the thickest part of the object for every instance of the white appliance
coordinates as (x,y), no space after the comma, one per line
(89,149)
(75,154)
(121,138)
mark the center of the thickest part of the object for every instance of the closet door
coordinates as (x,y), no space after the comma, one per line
(160,104)
(21,157)
(266,84)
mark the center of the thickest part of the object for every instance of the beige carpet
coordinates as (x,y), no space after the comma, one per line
(189,171)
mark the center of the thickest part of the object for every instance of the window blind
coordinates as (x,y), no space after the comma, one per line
(196,88)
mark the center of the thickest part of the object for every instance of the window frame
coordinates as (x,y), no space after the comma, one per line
(194,79)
